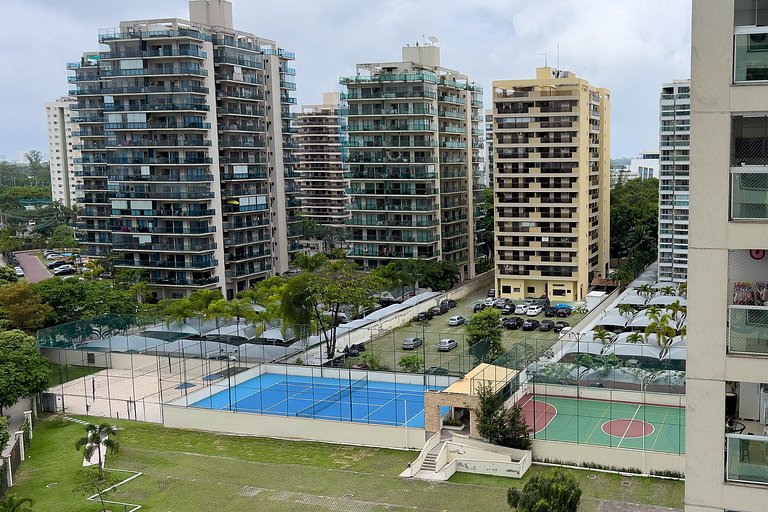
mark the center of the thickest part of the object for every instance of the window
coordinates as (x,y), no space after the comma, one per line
(517,290)
(558,293)
(531,289)
(506,289)
(750,13)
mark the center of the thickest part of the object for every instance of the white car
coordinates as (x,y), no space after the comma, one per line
(489,302)
(456,320)
(534,310)
(19,271)
(520,309)
(446,344)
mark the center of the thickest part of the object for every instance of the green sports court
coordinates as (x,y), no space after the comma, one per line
(656,428)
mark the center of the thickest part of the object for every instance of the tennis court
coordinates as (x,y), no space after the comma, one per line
(359,401)
(656,428)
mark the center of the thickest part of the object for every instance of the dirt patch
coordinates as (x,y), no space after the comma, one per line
(621,506)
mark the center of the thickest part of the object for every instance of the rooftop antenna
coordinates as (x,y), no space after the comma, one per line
(545,59)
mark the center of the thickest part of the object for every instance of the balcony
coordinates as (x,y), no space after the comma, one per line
(746,460)
(748,330)
(749,193)
(750,57)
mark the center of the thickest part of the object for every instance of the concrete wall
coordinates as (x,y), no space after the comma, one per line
(433,401)
(614,395)
(285,427)
(473,456)
(578,454)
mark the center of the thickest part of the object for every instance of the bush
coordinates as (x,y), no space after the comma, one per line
(453,422)
(553,492)
(498,425)
(373,361)
(411,363)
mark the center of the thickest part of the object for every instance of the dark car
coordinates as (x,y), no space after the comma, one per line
(58,263)
(450,303)
(508,309)
(439,310)
(530,325)
(514,322)
(546,325)
(550,312)
(424,315)
(66,272)
(542,301)
(478,307)
(559,325)
(564,312)
(436,370)
(492,292)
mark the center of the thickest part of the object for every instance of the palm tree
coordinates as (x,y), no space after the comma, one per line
(682,289)
(13,504)
(95,436)
(668,291)
(626,310)
(660,327)
(635,337)
(653,311)
(645,290)
(602,335)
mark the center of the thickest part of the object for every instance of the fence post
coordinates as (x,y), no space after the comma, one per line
(28,417)
(20,439)
(9,471)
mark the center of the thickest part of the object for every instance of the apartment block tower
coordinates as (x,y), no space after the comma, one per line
(489,147)
(727,368)
(187,151)
(551,185)
(413,157)
(322,182)
(674,146)
(63,149)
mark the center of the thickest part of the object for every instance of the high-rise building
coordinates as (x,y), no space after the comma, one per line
(414,144)
(551,185)
(674,145)
(645,165)
(727,367)
(489,147)
(63,149)
(187,161)
(322,183)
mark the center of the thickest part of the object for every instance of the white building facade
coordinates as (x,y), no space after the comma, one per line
(63,149)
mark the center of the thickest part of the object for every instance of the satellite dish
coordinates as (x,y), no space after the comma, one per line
(433,39)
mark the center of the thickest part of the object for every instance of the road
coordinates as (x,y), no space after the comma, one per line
(34,270)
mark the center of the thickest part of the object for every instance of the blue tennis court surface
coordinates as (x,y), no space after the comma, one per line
(360,401)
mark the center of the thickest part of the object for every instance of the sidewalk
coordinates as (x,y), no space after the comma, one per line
(16,414)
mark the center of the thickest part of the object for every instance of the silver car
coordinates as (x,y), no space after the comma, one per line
(411,343)
(446,344)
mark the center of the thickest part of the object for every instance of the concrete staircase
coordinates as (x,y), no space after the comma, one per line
(429,462)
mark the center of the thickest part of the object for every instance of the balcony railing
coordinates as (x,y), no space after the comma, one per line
(746,460)
(749,192)
(748,330)
(750,62)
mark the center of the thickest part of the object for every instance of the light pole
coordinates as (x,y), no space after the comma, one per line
(424,324)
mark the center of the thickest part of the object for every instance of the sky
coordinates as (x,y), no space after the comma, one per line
(627,46)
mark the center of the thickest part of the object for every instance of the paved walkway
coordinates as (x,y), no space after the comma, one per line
(621,506)
(34,270)
(16,414)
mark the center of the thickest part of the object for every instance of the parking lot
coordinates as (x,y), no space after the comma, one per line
(388,345)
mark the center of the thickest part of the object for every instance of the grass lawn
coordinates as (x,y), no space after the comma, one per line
(61,373)
(187,470)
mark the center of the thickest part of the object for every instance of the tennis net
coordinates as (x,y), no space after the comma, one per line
(328,401)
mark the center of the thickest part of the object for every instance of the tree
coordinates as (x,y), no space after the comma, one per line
(7,276)
(373,361)
(23,370)
(682,289)
(5,436)
(634,218)
(635,337)
(93,481)
(645,290)
(626,310)
(668,291)
(485,325)
(96,436)
(13,504)
(22,307)
(411,363)
(553,492)
(63,237)
(677,310)
(439,276)
(499,426)
(485,227)
(659,326)
(603,336)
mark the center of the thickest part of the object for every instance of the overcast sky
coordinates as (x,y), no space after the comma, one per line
(627,46)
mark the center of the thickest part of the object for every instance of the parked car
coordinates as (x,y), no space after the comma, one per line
(439,310)
(508,309)
(500,303)
(19,271)
(550,312)
(58,263)
(564,332)
(492,292)
(514,322)
(52,256)
(478,307)
(489,302)
(559,325)
(446,344)
(411,343)
(520,309)
(546,325)
(424,315)
(61,271)
(436,370)
(530,325)
(533,311)
(450,303)
(564,312)
(542,301)
(456,320)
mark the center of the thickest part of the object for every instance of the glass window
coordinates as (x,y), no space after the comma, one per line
(750,13)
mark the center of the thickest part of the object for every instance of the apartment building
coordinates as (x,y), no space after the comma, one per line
(63,149)
(551,141)
(674,144)
(727,370)
(488,179)
(645,165)
(187,151)
(322,183)
(413,156)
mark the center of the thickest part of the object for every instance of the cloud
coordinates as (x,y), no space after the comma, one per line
(628,47)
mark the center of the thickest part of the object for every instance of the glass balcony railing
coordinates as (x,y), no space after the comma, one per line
(748,330)
(750,63)
(749,194)
(746,459)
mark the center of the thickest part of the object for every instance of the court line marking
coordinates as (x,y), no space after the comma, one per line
(546,423)
(663,420)
(606,408)
(630,425)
